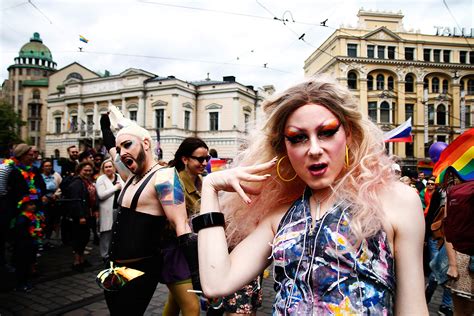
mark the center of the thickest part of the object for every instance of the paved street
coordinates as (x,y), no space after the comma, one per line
(59,291)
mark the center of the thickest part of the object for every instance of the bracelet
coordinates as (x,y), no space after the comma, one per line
(207,220)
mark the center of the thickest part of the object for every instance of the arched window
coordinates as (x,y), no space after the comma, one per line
(370,82)
(435,85)
(425,83)
(74,75)
(36,94)
(409,83)
(380,82)
(441,114)
(470,86)
(390,83)
(384,112)
(352,80)
(445,86)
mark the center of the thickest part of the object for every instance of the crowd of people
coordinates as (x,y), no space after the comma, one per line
(313,193)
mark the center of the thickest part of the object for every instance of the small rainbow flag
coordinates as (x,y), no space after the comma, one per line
(218,164)
(460,155)
(83,39)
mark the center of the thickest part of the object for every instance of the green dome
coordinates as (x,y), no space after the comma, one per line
(35,49)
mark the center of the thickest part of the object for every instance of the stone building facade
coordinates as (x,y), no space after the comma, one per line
(26,88)
(219,112)
(397,73)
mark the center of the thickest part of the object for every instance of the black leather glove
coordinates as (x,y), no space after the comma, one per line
(107,136)
(188,245)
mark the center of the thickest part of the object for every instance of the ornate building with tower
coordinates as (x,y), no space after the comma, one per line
(26,88)
(397,73)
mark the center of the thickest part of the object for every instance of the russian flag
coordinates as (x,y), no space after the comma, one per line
(83,39)
(400,134)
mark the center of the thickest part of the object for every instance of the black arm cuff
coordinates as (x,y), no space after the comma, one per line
(108,137)
(207,220)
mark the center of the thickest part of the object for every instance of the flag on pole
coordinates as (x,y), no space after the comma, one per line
(459,155)
(83,39)
(401,133)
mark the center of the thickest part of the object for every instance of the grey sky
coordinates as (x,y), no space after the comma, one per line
(189,43)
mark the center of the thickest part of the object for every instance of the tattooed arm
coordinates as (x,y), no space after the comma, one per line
(170,192)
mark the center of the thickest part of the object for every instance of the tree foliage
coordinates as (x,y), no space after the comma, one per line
(9,123)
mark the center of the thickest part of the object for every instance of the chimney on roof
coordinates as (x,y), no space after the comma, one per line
(228,79)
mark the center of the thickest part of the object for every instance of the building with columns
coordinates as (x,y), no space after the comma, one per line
(26,88)
(219,112)
(397,73)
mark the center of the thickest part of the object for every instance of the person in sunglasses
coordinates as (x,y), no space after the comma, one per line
(151,197)
(190,161)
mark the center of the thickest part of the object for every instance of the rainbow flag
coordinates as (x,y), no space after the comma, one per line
(83,39)
(217,164)
(460,155)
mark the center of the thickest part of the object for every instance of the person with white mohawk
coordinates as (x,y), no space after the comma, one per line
(151,197)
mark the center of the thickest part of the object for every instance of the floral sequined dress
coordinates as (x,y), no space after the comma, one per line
(318,273)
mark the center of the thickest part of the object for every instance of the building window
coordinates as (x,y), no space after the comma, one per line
(409,152)
(214,121)
(409,83)
(445,86)
(34,110)
(437,55)
(373,111)
(33,125)
(246,121)
(441,138)
(352,50)
(425,84)
(133,115)
(20,71)
(352,80)
(370,51)
(28,72)
(381,52)
(462,57)
(36,94)
(20,99)
(470,86)
(380,82)
(159,118)
(57,125)
(441,115)
(435,85)
(471,57)
(390,83)
(426,54)
(370,82)
(90,123)
(461,85)
(467,116)
(74,125)
(384,112)
(391,52)
(447,56)
(409,53)
(409,111)
(431,114)
(187,120)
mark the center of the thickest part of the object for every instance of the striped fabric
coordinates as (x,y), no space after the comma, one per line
(460,155)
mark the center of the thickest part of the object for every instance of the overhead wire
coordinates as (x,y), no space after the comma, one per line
(455,20)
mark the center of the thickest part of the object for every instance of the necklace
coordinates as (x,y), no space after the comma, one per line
(139,178)
(318,213)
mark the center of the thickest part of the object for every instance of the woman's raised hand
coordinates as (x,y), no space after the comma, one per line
(231,179)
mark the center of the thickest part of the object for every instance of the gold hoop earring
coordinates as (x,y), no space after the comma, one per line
(278,170)
(347,156)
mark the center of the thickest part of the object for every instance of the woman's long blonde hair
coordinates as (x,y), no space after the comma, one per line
(368,172)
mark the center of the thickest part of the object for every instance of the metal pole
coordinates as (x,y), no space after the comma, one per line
(463,112)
